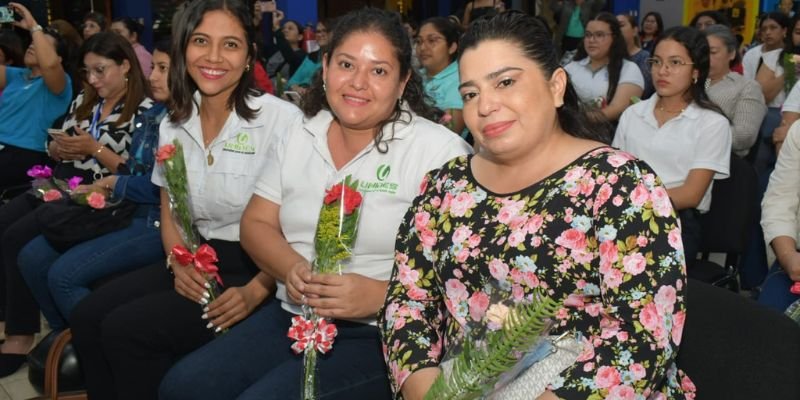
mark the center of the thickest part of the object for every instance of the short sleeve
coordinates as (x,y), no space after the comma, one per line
(631,74)
(792,102)
(713,147)
(782,198)
(269,183)
(166,134)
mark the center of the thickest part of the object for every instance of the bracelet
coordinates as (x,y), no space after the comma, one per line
(36,28)
(170,257)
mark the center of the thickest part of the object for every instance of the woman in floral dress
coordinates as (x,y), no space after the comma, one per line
(545,205)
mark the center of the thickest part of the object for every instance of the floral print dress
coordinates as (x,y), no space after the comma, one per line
(600,234)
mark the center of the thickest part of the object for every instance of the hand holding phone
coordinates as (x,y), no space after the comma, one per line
(56,133)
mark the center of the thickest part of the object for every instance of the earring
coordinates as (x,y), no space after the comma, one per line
(247,68)
(324,86)
(400,103)
(694,80)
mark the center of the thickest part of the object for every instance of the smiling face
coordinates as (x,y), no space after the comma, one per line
(158,77)
(362,77)
(216,55)
(322,34)
(509,105)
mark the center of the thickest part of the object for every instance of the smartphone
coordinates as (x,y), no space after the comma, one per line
(293,96)
(56,133)
(6,15)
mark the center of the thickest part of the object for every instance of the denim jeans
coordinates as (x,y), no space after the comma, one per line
(59,281)
(253,361)
(775,292)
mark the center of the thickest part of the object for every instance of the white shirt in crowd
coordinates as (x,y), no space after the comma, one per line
(780,208)
(792,102)
(755,57)
(593,84)
(696,139)
(300,168)
(219,192)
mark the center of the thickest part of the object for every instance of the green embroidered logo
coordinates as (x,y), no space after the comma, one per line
(383,172)
(241,144)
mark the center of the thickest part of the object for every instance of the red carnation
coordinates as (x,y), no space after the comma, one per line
(165,152)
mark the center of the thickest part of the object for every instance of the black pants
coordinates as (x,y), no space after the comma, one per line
(130,331)
(15,163)
(17,227)
(690,233)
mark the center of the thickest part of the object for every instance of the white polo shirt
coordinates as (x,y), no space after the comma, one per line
(792,102)
(696,139)
(751,61)
(219,192)
(300,168)
(593,84)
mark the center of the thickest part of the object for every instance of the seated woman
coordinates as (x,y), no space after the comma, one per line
(780,219)
(739,98)
(652,27)
(601,72)
(630,31)
(95,142)
(544,204)
(92,24)
(33,98)
(58,280)
(684,136)
(302,78)
(131,330)
(702,20)
(131,30)
(437,47)
(363,114)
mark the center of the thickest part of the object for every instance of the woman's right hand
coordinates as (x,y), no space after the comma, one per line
(296,280)
(27,22)
(189,282)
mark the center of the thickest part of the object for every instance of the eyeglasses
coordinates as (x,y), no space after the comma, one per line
(672,63)
(596,35)
(430,41)
(99,71)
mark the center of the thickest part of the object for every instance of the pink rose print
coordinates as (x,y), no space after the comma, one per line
(638,371)
(618,159)
(427,237)
(687,384)
(462,255)
(515,238)
(649,317)
(602,196)
(634,264)
(678,319)
(665,299)
(606,377)
(588,351)
(400,374)
(461,204)
(621,392)
(446,203)
(478,303)
(436,201)
(613,278)
(461,234)
(424,185)
(574,174)
(608,252)
(662,206)
(474,241)
(421,220)
(416,293)
(498,269)
(617,201)
(435,350)
(639,196)
(572,239)
(534,223)
(456,290)
(593,309)
(675,240)
(406,275)
(641,241)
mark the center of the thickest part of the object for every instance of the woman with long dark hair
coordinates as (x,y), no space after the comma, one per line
(652,26)
(545,205)
(679,131)
(602,73)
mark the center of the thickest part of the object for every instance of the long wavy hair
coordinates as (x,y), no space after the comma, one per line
(182,86)
(532,36)
(696,44)
(116,48)
(388,25)
(617,52)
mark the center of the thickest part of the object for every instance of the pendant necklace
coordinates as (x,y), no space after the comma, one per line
(209,157)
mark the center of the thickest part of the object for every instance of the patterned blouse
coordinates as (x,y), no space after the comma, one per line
(599,233)
(115,138)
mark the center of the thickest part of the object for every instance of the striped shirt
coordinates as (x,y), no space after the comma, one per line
(742,102)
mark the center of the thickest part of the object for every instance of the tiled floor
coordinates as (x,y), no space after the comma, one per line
(16,386)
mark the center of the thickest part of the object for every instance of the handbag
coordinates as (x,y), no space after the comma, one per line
(66,223)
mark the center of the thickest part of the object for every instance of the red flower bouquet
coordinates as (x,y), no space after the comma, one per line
(333,243)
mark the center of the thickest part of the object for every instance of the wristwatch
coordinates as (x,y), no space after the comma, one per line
(36,28)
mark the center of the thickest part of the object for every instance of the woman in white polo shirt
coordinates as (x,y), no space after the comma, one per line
(684,136)
(363,119)
(601,73)
(130,331)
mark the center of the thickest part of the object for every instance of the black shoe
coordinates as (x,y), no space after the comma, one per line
(10,363)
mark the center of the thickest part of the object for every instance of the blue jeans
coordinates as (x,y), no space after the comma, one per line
(775,292)
(59,281)
(253,361)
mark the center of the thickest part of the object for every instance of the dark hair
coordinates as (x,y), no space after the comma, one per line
(446,28)
(532,37)
(164,46)
(299,29)
(696,45)
(62,49)
(181,85)
(617,52)
(634,25)
(727,37)
(11,45)
(116,48)
(718,17)
(782,20)
(659,23)
(386,24)
(131,25)
(98,18)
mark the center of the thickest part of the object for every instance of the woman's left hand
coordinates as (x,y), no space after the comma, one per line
(345,296)
(83,143)
(232,306)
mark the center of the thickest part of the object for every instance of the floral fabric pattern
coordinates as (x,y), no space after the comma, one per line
(600,234)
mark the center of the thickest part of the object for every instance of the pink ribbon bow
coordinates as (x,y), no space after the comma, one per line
(306,335)
(204,260)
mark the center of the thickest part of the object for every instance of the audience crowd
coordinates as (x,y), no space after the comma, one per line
(498,153)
